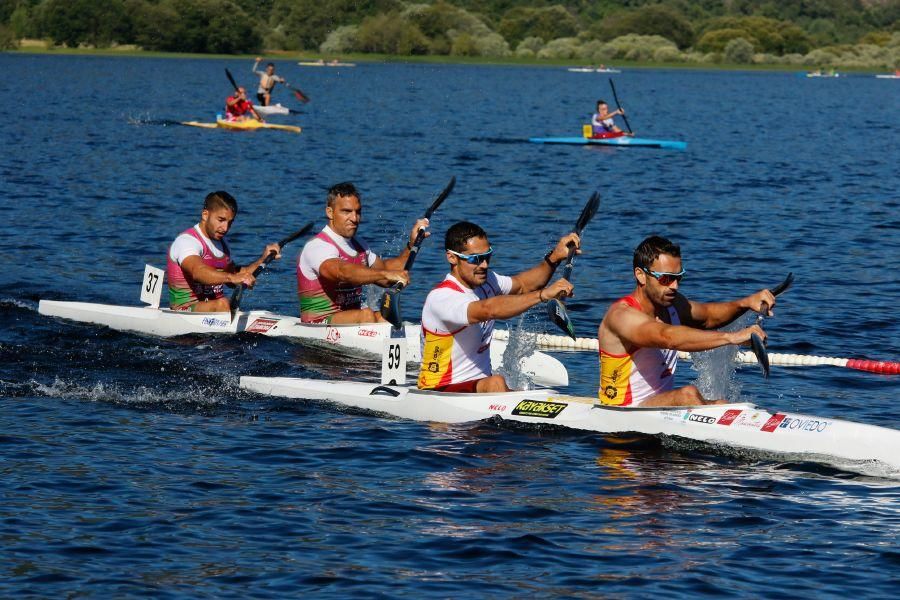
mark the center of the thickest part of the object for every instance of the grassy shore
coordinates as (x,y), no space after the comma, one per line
(40,47)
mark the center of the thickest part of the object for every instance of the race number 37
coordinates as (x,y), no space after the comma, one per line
(151,290)
(393,362)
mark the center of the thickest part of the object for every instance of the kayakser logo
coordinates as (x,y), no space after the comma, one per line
(536,408)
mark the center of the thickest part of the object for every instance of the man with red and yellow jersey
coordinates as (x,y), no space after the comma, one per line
(458,316)
(199,264)
(641,334)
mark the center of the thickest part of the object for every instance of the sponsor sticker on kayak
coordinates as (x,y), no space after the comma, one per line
(261,325)
(773,422)
(729,416)
(538,408)
(214,322)
(813,425)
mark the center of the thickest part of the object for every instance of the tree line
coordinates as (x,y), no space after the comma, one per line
(800,31)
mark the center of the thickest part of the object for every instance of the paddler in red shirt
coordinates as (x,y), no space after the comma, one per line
(238,108)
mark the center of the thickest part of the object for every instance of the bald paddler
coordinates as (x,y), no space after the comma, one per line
(641,334)
(267,81)
(199,264)
(336,264)
(458,316)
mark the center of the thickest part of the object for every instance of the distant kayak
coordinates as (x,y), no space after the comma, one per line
(322,63)
(888,76)
(613,141)
(818,74)
(593,70)
(272,109)
(248,125)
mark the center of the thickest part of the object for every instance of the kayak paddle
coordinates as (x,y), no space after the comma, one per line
(231,79)
(756,343)
(556,310)
(389,306)
(297,93)
(235,302)
(619,106)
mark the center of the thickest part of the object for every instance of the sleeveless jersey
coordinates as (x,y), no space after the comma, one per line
(602,125)
(321,299)
(454,351)
(184,293)
(629,379)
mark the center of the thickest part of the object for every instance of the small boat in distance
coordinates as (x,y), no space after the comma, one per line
(894,75)
(323,63)
(592,69)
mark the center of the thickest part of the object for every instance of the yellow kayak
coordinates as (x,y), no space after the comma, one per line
(248,125)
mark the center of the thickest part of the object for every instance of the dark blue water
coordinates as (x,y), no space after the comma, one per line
(136,466)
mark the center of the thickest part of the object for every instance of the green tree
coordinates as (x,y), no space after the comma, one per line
(546,23)
(739,51)
(306,23)
(656,19)
(74,22)
(390,34)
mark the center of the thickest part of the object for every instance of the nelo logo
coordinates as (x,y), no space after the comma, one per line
(333,335)
(702,419)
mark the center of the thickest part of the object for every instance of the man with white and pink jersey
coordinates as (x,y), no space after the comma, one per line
(199,264)
(335,265)
(458,316)
(641,334)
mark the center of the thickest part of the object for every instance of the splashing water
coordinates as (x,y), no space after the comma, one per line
(522,344)
(716,368)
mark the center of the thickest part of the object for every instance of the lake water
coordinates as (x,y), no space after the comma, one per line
(135,466)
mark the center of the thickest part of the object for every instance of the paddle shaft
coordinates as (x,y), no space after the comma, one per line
(618,105)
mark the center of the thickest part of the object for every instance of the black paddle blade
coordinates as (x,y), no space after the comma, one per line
(759,349)
(784,285)
(556,310)
(588,212)
(441,197)
(231,79)
(390,307)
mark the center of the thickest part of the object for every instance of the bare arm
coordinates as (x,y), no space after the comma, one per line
(712,315)
(337,270)
(634,328)
(197,271)
(538,276)
(508,306)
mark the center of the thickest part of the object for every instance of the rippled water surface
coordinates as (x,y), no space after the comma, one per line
(136,466)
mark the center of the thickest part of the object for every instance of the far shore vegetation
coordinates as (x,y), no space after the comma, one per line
(788,34)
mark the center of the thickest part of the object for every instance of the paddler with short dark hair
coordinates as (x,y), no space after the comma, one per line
(238,108)
(199,264)
(458,316)
(267,81)
(335,265)
(641,334)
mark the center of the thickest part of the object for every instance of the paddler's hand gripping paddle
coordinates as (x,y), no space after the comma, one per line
(235,302)
(389,306)
(756,343)
(556,310)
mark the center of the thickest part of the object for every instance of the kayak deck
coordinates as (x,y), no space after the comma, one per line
(617,141)
(366,337)
(742,425)
(248,125)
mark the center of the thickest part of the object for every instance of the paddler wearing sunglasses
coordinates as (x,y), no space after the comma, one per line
(458,316)
(641,334)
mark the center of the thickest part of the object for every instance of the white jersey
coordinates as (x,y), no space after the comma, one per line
(453,350)
(187,245)
(316,251)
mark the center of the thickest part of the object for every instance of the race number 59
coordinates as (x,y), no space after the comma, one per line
(151,289)
(393,362)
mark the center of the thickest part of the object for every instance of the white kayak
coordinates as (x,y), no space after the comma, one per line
(741,425)
(272,109)
(369,338)
(592,70)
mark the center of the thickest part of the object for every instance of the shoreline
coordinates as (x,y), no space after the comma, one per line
(289,55)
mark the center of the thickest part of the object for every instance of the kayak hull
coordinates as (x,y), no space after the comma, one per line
(272,109)
(248,125)
(368,338)
(623,141)
(739,425)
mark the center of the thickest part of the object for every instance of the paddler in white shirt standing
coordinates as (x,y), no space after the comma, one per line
(335,265)
(458,316)
(199,264)
(267,81)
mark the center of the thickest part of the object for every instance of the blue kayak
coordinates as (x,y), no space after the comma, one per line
(618,141)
